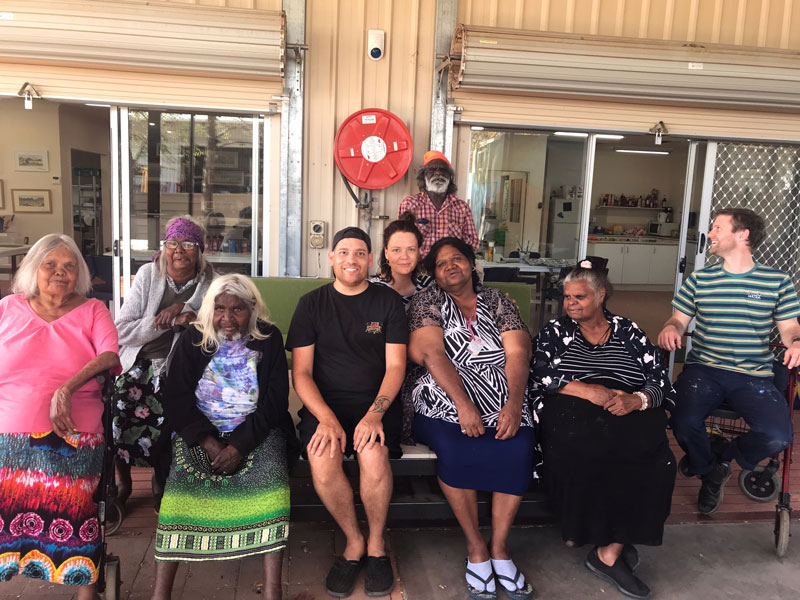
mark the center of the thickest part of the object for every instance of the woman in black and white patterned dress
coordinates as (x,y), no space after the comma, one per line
(471,406)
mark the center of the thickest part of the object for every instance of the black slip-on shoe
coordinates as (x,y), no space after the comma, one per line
(631,556)
(619,575)
(342,577)
(380,577)
(709,499)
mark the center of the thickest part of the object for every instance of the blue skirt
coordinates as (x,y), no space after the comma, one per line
(482,463)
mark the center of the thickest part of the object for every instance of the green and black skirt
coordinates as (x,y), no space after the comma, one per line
(205,516)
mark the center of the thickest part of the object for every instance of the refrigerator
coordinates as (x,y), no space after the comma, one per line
(564,224)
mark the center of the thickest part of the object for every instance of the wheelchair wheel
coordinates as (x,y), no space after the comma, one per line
(113,580)
(782,527)
(115,512)
(759,491)
(683,466)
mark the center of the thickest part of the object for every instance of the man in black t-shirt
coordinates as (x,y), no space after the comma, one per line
(348,342)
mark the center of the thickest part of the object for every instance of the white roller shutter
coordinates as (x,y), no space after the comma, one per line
(528,62)
(541,80)
(142,52)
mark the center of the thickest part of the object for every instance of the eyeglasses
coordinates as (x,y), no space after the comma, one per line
(186,245)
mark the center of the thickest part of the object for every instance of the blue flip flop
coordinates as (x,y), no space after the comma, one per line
(524,593)
(477,594)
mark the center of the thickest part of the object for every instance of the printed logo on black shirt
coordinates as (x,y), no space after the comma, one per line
(373,327)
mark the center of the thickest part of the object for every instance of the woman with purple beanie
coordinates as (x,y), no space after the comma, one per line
(165,293)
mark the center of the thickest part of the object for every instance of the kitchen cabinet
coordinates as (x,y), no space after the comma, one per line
(638,264)
(663,263)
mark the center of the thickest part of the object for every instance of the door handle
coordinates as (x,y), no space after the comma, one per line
(701,247)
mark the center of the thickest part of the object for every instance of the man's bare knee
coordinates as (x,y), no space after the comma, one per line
(324,469)
(374,464)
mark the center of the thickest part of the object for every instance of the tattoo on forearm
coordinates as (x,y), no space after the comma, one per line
(380,405)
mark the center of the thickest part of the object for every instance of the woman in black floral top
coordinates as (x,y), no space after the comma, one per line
(472,407)
(601,391)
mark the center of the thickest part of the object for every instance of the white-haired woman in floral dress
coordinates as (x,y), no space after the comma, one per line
(602,392)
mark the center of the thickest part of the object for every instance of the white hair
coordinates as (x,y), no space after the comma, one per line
(237,285)
(25,278)
(161,263)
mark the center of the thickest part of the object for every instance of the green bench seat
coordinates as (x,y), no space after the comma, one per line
(417,495)
(281,294)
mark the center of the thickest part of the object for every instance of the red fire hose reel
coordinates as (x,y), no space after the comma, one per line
(373,149)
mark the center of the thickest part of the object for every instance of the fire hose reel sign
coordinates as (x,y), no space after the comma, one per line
(373,149)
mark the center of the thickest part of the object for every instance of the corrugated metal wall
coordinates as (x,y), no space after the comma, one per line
(340,80)
(763,23)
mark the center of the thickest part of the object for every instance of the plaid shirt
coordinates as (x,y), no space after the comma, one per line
(454,219)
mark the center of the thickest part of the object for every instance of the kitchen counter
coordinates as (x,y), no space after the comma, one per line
(11,251)
(632,239)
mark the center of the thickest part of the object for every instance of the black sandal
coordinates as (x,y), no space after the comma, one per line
(342,577)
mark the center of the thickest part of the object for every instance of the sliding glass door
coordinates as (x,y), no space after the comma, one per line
(205,165)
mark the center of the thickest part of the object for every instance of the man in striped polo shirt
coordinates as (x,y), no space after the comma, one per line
(734,303)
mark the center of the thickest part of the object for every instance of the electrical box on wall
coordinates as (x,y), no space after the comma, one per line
(316,234)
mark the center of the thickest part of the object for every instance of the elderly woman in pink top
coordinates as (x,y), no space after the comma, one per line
(53,341)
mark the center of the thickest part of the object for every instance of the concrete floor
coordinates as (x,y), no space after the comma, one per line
(709,561)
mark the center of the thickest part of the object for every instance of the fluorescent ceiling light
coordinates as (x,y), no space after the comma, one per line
(642,151)
(102,105)
(599,136)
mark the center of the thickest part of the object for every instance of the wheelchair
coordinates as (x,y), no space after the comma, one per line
(109,582)
(766,482)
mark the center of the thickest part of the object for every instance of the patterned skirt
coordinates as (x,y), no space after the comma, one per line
(139,416)
(49,526)
(216,517)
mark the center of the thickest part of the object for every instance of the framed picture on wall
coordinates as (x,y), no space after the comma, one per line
(2,195)
(31,201)
(34,160)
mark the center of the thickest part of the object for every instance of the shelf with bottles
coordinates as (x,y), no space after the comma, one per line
(651,208)
(649,201)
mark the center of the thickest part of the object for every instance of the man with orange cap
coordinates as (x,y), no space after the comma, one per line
(437,211)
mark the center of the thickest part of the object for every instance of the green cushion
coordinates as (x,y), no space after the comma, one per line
(281,295)
(519,293)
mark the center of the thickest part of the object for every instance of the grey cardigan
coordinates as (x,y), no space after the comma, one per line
(137,315)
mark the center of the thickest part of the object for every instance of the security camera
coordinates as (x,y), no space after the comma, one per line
(375,41)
